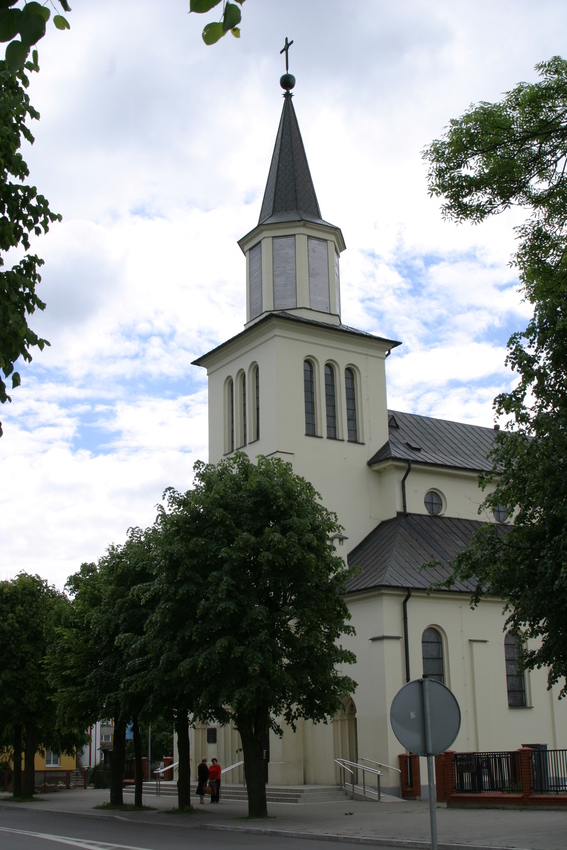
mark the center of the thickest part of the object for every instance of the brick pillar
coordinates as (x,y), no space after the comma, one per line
(168,775)
(145,768)
(414,789)
(445,775)
(526,772)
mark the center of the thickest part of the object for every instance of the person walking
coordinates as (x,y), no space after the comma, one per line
(202,777)
(215,779)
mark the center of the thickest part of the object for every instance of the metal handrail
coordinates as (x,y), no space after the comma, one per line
(343,765)
(158,772)
(164,769)
(381,764)
(232,766)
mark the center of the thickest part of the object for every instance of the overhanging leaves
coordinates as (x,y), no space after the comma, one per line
(498,155)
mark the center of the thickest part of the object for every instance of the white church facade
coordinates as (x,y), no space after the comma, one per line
(298,384)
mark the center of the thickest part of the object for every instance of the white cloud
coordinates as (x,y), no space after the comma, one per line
(156,149)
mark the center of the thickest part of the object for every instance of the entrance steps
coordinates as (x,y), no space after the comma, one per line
(300,794)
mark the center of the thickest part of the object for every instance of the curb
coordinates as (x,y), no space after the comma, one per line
(350,839)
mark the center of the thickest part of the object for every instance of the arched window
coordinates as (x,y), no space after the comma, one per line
(243,408)
(350,394)
(331,402)
(432,655)
(515,680)
(229,416)
(309,391)
(257,401)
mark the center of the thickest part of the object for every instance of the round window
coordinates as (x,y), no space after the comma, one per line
(433,503)
(500,513)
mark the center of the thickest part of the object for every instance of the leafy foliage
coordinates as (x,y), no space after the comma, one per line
(29,23)
(29,611)
(514,153)
(23,213)
(97,673)
(231,17)
(261,585)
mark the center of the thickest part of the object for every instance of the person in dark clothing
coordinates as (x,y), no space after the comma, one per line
(202,777)
(215,779)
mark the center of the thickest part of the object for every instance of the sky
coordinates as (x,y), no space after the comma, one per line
(155,149)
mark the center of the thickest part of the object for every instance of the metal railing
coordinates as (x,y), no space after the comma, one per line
(232,767)
(346,765)
(549,768)
(159,775)
(381,764)
(483,772)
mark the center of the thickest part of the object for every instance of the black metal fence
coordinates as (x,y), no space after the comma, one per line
(549,771)
(478,772)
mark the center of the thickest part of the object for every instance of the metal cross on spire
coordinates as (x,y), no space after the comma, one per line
(285,50)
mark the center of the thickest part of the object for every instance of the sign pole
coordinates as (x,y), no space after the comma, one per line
(430,763)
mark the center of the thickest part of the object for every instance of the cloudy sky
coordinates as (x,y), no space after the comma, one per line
(156,148)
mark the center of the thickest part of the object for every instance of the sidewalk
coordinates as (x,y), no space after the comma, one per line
(405,823)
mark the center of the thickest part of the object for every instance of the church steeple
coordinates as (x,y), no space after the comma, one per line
(292,254)
(290,193)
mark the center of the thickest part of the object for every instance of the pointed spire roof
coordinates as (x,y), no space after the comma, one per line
(290,193)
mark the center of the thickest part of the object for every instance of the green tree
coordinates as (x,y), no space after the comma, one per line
(23,212)
(101,676)
(229,20)
(270,604)
(499,155)
(168,643)
(29,609)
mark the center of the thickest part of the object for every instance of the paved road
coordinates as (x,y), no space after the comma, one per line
(27,830)
(386,824)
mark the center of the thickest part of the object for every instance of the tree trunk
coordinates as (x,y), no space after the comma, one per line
(17,792)
(253,750)
(117,763)
(137,762)
(184,768)
(28,784)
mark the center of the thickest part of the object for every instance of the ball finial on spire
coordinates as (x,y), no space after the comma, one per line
(287,81)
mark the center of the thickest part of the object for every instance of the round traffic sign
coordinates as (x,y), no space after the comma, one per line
(425,717)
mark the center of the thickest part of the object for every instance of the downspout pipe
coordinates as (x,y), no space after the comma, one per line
(404,499)
(406,639)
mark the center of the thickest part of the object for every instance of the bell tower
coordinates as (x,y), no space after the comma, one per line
(292,255)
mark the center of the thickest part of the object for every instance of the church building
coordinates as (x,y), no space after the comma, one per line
(299,384)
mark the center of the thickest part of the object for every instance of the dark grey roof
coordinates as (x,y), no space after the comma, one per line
(290,193)
(282,314)
(391,555)
(437,441)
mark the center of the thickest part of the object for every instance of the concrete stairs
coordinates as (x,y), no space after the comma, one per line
(299,794)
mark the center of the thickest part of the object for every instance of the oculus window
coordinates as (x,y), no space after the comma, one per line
(433,502)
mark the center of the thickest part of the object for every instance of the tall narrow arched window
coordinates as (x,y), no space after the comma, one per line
(432,655)
(309,392)
(515,680)
(230,411)
(257,402)
(331,402)
(350,394)
(243,410)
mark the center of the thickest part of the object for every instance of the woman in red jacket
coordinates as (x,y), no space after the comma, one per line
(215,779)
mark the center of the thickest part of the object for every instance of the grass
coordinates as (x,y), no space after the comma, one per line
(34,799)
(186,810)
(125,807)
